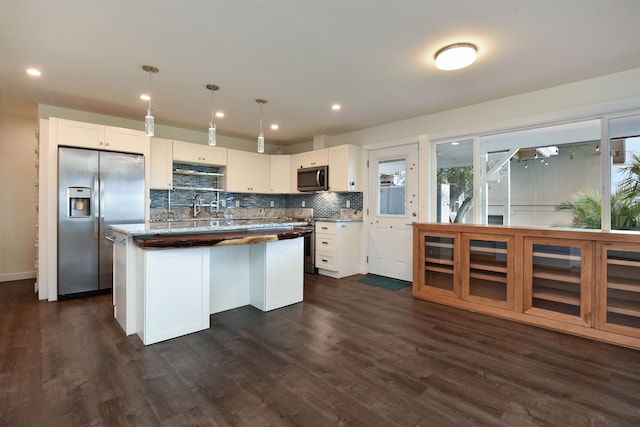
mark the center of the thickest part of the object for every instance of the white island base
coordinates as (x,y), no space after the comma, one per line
(175,290)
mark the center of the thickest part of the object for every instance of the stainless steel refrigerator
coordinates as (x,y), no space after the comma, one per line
(95,189)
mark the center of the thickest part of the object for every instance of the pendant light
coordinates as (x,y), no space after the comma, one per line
(212,123)
(261,135)
(148,119)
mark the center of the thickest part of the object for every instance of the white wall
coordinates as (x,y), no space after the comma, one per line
(17,197)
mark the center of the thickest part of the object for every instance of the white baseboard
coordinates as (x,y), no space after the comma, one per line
(9,277)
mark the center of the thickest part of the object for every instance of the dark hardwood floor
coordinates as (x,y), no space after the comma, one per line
(351,354)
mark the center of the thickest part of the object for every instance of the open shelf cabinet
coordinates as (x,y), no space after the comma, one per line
(619,290)
(557,279)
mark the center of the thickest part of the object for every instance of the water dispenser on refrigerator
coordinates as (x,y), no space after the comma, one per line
(79,202)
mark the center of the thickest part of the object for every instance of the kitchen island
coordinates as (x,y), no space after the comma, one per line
(170,277)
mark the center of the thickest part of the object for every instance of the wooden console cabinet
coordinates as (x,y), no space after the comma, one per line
(585,283)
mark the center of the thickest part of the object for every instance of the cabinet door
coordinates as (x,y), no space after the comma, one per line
(161,164)
(488,269)
(125,140)
(344,168)
(186,152)
(557,279)
(248,172)
(436,257)
(280,174)
(618,292)
(310,158)
(214,155)
(79,134)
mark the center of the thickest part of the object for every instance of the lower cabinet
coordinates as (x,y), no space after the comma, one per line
(174,301)
(338,248)
(579,282)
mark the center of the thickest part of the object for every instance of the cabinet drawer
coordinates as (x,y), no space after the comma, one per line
(326,227)
(326,261)
(326,243)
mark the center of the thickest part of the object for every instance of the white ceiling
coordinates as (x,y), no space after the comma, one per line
(373,57)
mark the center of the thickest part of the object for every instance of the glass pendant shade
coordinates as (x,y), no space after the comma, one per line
(149,125)
(261,135)
(212,124)
(261,143)
(212,134)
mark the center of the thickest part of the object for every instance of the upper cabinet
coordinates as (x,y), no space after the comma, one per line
(280,174)
(248,172)
(161,177)
(344,168)
(310,158)
(90,135)
(199,154)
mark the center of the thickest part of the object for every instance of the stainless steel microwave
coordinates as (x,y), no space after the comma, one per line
(313,179)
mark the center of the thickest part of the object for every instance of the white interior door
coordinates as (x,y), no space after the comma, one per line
(393,208)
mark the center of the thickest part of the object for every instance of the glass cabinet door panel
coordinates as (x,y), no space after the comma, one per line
(557,272)
(623,288)
(487,270)
(439,262)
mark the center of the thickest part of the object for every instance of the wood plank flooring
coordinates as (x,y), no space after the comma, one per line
(350,354)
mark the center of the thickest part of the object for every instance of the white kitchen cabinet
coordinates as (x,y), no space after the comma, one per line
(280,174)
(199,154)
(277,273)
(90,135)
(344,168)
(175,293)
(338,248)
(161,164)
(248,172)
(310,158)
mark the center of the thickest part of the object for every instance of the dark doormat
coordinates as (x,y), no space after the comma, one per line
(384,282)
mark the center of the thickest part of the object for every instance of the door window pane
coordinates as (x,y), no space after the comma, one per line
(455,181)
(624,134)
(391,183)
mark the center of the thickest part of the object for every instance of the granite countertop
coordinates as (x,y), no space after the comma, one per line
(337,220)
(204,226)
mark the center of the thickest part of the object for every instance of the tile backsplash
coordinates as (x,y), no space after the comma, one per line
(178,203)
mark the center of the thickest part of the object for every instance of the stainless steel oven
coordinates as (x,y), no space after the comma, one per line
(310,251)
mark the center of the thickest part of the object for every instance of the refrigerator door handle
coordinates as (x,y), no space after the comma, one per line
(101,225)
(94,201)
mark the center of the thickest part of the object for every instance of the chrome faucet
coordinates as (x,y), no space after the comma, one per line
(197,201)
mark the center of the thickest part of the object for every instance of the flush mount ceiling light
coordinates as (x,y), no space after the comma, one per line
(212,123)
(261,135)
(34,72)
(456,56)
(148,119)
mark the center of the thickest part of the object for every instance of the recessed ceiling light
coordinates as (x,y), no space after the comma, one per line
(220,114)
(145,97)
(275,126)
(336,107)
(456,56)
(34,72)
